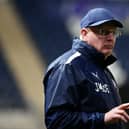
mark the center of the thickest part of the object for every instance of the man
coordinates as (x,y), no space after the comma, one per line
(80,91)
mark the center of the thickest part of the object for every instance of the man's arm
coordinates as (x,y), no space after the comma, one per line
(61,103)
(66,119)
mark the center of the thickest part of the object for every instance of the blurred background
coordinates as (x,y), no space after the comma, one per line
(32,34)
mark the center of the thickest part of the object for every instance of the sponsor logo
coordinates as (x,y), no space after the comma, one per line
(95,75)
(101,88)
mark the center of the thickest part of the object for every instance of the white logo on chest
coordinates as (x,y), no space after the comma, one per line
(101,88)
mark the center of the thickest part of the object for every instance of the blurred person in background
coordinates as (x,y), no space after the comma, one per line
(80,91)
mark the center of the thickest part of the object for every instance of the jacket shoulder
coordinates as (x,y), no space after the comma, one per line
(69,58)
(70,62)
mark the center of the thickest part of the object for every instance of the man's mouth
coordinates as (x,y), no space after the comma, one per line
(108,46)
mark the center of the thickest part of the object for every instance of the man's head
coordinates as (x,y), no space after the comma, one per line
(99,28)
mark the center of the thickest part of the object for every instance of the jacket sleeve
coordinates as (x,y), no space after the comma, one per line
(62,103)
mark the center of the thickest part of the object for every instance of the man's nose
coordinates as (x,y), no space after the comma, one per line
(111,35)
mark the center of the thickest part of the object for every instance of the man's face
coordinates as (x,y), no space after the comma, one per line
(102,38)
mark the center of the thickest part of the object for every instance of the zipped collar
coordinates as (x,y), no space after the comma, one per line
(91,52)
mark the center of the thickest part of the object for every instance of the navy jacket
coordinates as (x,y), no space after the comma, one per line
(79,90)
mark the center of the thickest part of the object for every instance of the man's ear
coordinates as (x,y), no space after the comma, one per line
(83,31)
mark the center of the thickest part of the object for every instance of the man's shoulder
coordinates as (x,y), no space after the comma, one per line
(60,64)
(66,59)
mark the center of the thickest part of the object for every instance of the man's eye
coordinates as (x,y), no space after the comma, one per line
(104,32)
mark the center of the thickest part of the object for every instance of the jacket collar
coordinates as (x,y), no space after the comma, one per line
(92,53)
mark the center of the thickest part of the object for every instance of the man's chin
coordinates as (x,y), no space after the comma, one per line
(107,53)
